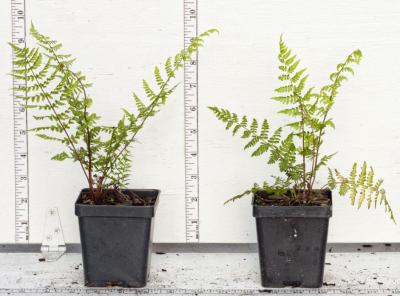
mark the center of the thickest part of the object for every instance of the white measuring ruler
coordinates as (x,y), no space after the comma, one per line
(18,30)
(191,126)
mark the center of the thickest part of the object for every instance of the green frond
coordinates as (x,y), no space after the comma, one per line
(299,88)
(329,92)
(276,136)
(149,92)
(287,154)
(209,32)
(292,112)
(293,66)
(264,129)
(286,100)
(139,104)
(254,126)
(160,81)
(284,89)
(290,61)
(252,142)
(331,180)
(324,160)
(61,156)
(49,138)
(236,197)
(361,187)
(298,75)
(263,148)
(168,68)
(284,77)
(246,134)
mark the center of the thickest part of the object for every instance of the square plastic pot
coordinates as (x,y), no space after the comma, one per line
(116,241)
(292,244)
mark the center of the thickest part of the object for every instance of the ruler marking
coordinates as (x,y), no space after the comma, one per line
(21,172)
(191,123)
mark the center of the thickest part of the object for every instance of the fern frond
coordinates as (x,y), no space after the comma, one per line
(276,136)
(361,186)
(61,156)
(297,76)
(329,92)
(286,100)
(168,68)
(139,105)
(149,92)
(157,74)
(252,142)
(238,196)
(264,129)
(255,134)
(254,126)
(287,154)
(324,161)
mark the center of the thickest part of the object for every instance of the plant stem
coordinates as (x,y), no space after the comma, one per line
(303,152)
(61,125)
(303,115)
(88,138)
(315,163)
(88,133)
(148,111)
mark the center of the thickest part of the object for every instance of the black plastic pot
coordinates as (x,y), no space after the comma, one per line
(116,241)
(292,243)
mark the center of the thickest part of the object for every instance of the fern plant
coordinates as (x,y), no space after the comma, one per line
(62,101)
(296,147)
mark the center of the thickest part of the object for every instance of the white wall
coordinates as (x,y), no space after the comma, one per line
(117,43)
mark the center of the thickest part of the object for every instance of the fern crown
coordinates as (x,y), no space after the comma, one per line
(295,147)
(61,97)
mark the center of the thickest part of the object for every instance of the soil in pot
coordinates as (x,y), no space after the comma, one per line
(115,196)
(316,198)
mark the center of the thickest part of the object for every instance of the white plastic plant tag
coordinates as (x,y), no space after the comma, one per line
(53,244)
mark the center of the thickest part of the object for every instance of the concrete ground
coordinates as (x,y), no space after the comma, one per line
(201,274)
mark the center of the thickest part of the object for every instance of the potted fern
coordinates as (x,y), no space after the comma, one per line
(115,222)
(292,216)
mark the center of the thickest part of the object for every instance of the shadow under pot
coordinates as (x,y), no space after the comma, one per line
(292,243)
(116,240)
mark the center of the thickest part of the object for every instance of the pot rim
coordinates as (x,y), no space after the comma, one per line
(260,211)
(82,210)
